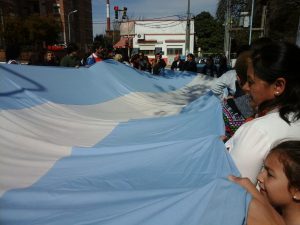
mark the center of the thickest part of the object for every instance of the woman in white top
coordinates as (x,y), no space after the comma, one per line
(273,83)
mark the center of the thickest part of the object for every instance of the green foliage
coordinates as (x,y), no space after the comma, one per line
(33,30)
(236,7)
(41,29)
(105,41)
(14,31)
(281,20)
(209,33)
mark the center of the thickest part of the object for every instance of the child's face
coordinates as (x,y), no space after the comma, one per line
(273,182)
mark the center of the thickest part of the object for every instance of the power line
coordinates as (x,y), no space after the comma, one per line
(160,26)
(157,18)
(95,22)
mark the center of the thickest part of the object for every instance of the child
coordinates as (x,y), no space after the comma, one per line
(278,201)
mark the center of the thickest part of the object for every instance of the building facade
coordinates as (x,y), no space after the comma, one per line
(75,16)
(152,36)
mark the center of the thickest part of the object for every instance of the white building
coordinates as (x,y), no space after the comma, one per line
(152,36)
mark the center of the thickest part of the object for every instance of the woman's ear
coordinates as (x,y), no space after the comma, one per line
(296,195)
(279,86)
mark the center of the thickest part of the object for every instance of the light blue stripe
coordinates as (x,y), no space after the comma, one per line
(170,182)
(34,84)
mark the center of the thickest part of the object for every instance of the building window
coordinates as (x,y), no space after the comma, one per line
(147,52)
(174,51)
(56,8)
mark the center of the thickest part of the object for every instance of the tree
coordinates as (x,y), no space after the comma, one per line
(282,17)
(13,36)
(209,33)
(33,30)
(235,7)
(14,31)
(105,41)
(41,29)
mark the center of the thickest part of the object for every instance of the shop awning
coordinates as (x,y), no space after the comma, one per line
(124,42)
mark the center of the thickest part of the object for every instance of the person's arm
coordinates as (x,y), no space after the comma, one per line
(155,68)
(248,148)
(163,63)
(215,70)
(260,210)
(63,61)
(194,69)
(173,65)
(227,80)
(181,66)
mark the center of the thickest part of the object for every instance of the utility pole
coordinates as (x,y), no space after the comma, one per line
(128,49)
(69,25)
(3,28)
(188,30)
(227,30)
(107,18)
(263,21)
(298,34)
(251,22)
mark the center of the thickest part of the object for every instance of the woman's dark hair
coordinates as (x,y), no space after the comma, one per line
(191,55)
(260,42)
(280,60)
(289,156)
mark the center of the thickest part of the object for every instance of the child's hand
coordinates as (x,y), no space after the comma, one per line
(260,210)
(248,185)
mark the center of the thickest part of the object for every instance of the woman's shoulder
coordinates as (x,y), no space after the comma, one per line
(274,118)
(268,120)
(273,126)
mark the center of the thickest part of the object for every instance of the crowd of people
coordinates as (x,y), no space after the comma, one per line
(158,64)
(99,53)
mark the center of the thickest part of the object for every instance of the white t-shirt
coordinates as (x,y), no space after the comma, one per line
(253,140)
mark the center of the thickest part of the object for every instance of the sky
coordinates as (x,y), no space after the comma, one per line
(148,9)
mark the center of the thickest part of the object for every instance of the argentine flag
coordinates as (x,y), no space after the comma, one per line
(111,145)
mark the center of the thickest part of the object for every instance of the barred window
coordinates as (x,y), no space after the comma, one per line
(174,51)
(147,52)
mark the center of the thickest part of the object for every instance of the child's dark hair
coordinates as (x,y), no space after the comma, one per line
(289,156)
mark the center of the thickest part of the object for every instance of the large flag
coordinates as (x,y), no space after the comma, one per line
(115,146)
